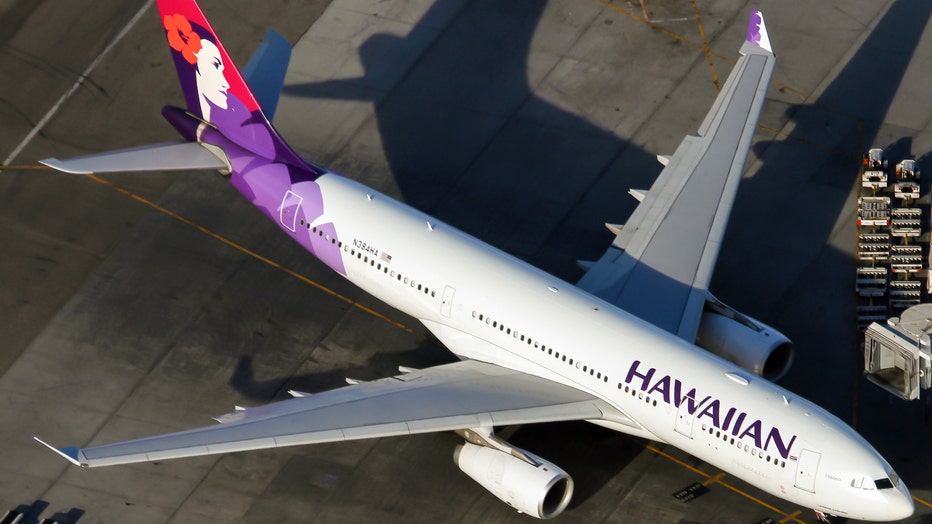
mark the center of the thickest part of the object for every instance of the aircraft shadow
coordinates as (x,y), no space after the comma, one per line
(469,142)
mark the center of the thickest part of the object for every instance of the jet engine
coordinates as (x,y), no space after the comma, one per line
(534,486)
(748,343)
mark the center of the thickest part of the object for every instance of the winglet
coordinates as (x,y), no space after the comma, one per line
(757,31)
(70,453)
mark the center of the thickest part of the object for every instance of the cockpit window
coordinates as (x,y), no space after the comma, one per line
(883,484)
(888,483)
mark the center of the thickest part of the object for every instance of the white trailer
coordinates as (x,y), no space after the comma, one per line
(874,174)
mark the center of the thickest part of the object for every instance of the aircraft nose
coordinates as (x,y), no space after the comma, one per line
(901,503)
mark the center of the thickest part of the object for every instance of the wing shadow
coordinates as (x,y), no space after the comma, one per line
(468,141)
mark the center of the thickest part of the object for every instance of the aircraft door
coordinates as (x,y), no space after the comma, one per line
(446,302)
(806,470)
(288,211)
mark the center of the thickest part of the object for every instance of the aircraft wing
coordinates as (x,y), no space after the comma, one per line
(661,261)
(462,395)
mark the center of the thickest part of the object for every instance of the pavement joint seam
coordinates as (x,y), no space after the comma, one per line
(78,83)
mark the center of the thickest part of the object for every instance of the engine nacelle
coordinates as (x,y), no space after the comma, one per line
(748,343)
(541,490)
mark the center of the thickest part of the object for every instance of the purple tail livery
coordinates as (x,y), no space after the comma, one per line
(224,128)
(214,90)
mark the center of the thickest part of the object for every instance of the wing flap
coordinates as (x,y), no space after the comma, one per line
(462,395)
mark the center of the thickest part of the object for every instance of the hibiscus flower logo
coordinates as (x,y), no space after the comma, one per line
(181,37)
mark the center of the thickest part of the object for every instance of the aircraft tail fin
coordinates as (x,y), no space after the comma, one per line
(217,93)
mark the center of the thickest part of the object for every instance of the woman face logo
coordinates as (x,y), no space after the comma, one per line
(202,53)
(211,84)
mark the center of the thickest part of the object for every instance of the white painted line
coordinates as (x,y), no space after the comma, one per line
(78,83)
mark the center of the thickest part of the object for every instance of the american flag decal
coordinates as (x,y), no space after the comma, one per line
(385,257)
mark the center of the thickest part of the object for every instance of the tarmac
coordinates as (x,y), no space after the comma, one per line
(136,304)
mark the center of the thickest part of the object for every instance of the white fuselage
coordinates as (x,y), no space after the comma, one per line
(486,305)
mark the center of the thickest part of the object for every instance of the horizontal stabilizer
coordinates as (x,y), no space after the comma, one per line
(70,453)
(169,156)
(265,72)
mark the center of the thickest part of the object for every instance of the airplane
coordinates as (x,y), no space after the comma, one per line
(638,345)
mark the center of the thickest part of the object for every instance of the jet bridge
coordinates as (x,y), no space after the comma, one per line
(898,354)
